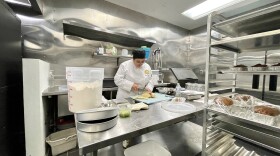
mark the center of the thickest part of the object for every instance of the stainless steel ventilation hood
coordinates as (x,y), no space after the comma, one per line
(95,33)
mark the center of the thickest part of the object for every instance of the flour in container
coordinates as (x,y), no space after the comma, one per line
(84,95)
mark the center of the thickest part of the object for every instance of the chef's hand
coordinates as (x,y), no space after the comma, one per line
(135,87)
(149,91)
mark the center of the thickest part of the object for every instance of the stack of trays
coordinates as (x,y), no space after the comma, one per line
(96,120)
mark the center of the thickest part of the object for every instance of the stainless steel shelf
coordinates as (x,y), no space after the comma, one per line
(253,136)
(252,72)
(258,129)
(251,32)
(112,56)
(271,128)
(91,32)
(221,64)
(62,90)
(261,20)
(223,95)
(221,80)
(214,89)
(251,43)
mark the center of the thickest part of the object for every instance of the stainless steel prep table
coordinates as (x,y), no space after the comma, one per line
(139,123)
(62,90)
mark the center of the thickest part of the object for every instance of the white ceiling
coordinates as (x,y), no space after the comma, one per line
(170,10)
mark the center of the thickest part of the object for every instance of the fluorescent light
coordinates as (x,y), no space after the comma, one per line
(207,7)
(18,2)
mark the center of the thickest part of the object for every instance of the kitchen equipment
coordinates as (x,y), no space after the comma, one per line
(109,83)
(98,119)
(155,77)
(100,51)
(84,87)
(158,98)
(184,75)
(157,59)
(97,125)
(191,95)
(97,114)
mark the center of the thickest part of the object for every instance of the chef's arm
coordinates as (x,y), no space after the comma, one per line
(120,80)
(150,85)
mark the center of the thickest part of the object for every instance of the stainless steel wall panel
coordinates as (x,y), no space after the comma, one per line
(44,39)
(197,52)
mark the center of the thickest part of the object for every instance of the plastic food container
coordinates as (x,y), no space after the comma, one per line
(84,88)
(147,51)
(178,100)
(164,90)
(62,141)
(124,110)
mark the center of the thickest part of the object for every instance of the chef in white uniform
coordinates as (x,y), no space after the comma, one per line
(133,76)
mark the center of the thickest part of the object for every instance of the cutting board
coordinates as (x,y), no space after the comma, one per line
(159,97)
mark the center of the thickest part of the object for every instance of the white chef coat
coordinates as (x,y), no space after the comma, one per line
(128,74)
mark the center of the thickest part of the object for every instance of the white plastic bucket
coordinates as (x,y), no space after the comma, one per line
(84,88)
(62,141)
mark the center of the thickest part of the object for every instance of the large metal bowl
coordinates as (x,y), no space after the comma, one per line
(97,126)
(97,114)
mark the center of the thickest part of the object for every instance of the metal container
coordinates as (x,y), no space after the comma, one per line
(239,69)
(97,125)
(257,68)
(97,114)
(274,68)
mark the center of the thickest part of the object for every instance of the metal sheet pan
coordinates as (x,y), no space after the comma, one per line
(97,127)
(223,148)
(233,149)
(218,143)
(97,114)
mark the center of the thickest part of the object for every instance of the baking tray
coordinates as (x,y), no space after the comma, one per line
(232,150)
(213,133)
(223,148)
(97,125)
(214,138)
(218,143)
(97,114)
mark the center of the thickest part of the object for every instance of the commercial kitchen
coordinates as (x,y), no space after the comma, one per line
(140,78)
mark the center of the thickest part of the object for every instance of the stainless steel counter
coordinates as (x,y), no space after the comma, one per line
(140,122)
(62,90)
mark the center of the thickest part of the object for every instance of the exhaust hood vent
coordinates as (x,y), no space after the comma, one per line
(95,33)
